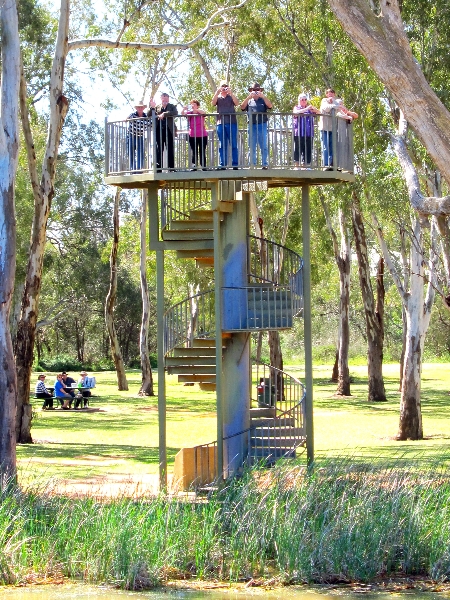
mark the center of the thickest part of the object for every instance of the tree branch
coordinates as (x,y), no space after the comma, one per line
(101,43)
(430,205)
(388,260)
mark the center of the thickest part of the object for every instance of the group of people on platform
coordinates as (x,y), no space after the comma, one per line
(256,104)
(66,391)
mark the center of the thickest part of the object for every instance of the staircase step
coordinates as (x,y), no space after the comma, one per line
(197,254)
(283,422)
(273,322)
(262,442)
(190,361)
(187,234)
(195,351)
(192,370)
(263,412)
(279,432)
(207,387)
(189,224)
(196,379)
(205,263)
(204,343)
(272,454)
(202,215)
(226,206)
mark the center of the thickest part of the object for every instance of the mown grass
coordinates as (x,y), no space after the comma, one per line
(122,438)
(345,521)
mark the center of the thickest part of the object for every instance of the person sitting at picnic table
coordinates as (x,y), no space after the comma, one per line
(68,387)
(83,386)
(64,398)
(42,392)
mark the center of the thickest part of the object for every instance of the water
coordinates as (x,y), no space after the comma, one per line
(84,592)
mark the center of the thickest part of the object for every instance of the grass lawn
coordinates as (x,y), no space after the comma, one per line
(121,438)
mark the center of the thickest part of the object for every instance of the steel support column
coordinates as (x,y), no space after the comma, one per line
(218,266)
(306,234)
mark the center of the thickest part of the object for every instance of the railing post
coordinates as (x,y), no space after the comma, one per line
(107,149)
(306,234)
(334,136)
(218,320)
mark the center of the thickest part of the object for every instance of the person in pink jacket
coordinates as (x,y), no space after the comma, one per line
(198,136)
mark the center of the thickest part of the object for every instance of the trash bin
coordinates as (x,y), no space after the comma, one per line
(265,395)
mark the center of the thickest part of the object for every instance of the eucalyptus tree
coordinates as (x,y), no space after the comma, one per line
(378,31)
(9,144)
(43,188)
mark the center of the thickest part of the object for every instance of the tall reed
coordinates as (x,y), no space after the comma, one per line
(345,521)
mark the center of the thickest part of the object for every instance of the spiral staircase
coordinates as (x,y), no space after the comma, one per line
(269,300)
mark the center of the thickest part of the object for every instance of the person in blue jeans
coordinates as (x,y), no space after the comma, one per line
(64,398)
(136,133)
(257,104)
(327,106)
(225,102)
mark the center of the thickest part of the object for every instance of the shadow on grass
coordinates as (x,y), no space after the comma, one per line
(95,452)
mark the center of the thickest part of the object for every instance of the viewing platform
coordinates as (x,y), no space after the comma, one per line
(131,151)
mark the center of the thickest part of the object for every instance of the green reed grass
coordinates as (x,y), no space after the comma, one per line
(345,521)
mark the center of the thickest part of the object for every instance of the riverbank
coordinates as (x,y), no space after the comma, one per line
(347,522)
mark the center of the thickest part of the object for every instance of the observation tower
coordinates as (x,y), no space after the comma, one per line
(205,215)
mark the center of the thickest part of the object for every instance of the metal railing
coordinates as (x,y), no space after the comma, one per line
(191,318)
(178,201)
(270,438)
(144,145)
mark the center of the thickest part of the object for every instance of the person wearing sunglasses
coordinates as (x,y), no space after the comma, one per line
(225,102)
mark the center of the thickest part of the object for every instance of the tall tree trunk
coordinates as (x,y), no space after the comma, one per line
(43,192)
(147,377)
(342,257)
(9,143)
(335,371)
(373,313)
(343,386)
(122,382)
(418,313)
(377,30)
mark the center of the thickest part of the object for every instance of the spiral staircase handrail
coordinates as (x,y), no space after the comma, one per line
(292,411)
(271,262)
(193,317)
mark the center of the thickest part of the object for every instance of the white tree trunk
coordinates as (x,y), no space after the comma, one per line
(381,37)
(9,142)
(418,313)
(43,192)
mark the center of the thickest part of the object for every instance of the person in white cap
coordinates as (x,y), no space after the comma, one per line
(137,127)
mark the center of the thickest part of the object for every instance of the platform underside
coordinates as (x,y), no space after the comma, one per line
(274,178)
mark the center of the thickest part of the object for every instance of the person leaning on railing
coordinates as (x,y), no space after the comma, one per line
(344,118)
(303,131)
(136,132)
(198,136)
(165,130)
(327,105)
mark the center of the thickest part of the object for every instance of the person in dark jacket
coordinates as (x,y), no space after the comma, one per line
(165,130)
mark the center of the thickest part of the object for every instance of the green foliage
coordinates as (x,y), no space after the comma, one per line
(60,363)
